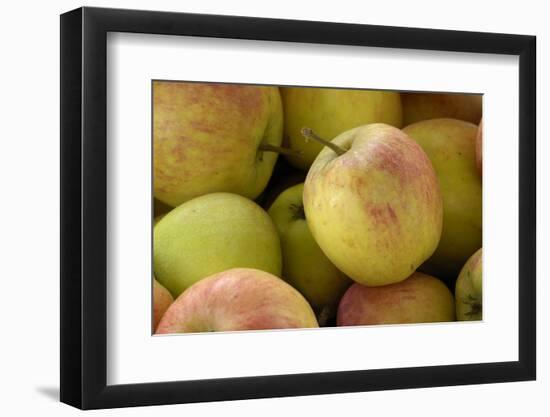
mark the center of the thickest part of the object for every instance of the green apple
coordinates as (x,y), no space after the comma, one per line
(420,298)
(425,106)
(158,219)
(213,138)
(210,234)
(305,266)
(238,299)
(469,289)
(479,148)
(161,301)
(373,204)
(450,145)
(331,111)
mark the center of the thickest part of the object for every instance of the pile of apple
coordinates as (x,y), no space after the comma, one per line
(306,207)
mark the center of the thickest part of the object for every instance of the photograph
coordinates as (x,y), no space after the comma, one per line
(266,209)
(301,207)
(256,207)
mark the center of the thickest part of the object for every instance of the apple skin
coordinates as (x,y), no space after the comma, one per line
(420,298)
(305,266)
(375,211)
(158,219)
(479,148)
(450,145)
(206,139)
(469,289)
(331,111)
(425,106)
(210,234)
(161,301)
(238,299)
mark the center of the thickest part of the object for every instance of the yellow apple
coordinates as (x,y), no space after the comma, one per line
(424,106)
(158,219)
(305,266)
(469,289)
(331,111)
(450,145)
(213,138)
(238,299)
(420,298)
(210,234)
(375,210)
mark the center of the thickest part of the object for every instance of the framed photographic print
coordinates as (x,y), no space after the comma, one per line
(258,207)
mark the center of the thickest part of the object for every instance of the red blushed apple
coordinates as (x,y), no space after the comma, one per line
(420,298)
(237,299)
(161,301)
(479,148)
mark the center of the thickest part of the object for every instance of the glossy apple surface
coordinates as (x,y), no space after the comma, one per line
(238,299)
(331,111)
(210,234)
(207,138)
(420,298)
(375,211)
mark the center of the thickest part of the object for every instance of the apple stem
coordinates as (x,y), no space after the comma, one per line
(266,147)
(308,133)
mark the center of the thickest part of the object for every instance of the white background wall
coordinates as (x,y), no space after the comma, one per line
(29,168)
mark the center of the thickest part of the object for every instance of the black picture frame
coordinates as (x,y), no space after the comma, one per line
(84,197)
